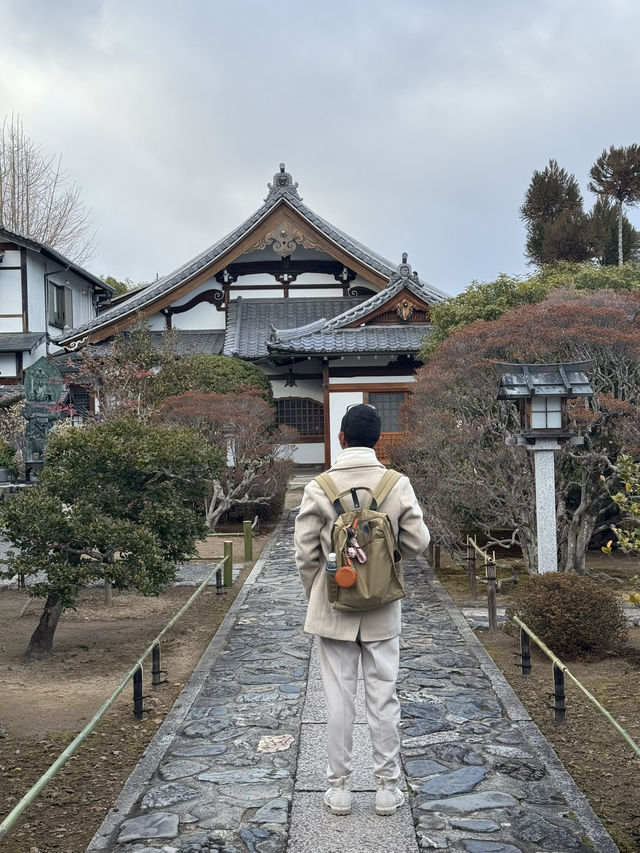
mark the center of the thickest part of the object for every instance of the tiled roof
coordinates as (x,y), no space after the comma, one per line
(282,189)
(35,246)
(194,342)
(403,279)
(19,341)
(11,392)
(330,335)
(363,339)
(185,342)
(250,322)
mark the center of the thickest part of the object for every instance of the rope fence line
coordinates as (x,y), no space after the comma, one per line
(559,671)
(134,673)
(249,528)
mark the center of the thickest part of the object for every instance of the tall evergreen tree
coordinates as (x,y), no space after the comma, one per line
(604,234)
(616,176)
(557,227)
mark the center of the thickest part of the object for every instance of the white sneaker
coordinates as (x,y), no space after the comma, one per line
(338,797)
(389,797)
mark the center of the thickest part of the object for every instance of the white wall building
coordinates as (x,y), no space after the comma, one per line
(329,321)
(42,295)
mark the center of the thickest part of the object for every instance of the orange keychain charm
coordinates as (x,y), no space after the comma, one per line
(346,576)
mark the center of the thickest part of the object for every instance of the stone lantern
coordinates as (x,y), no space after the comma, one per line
(542,391)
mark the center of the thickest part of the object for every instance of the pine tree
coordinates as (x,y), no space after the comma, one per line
(557,227)
(616,176)
(604,234)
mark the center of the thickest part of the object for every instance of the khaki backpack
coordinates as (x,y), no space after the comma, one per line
(379,576)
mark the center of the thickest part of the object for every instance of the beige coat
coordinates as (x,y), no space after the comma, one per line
(355,466)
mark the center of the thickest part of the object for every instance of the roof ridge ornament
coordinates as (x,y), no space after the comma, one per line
(403,271)
(282,185)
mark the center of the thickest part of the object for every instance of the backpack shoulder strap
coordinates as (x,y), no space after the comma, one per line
(328,486)
(387,482)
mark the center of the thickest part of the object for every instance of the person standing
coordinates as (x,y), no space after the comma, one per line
(346,638)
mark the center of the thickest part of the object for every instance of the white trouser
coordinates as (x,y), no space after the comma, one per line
(339,664)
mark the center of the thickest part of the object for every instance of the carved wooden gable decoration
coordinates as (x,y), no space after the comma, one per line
(403,309)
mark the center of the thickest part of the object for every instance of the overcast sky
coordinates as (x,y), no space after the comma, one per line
(413,125)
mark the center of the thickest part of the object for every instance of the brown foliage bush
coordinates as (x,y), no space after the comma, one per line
(572,614)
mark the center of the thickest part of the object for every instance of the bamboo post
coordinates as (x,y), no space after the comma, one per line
(138,698)
(525,653)
(471,563)
(228,562)
(559,702)
(248,541)
(156,667)
(491,594)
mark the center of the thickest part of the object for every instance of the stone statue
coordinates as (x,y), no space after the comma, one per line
(44,388)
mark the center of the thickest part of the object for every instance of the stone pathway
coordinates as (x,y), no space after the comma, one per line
(238,765)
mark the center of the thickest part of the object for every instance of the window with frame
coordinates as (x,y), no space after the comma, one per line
(60,306)
(304,414)
(80,400)
(389,406)
(546,412)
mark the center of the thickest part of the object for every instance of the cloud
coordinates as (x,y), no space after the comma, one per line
(414,126)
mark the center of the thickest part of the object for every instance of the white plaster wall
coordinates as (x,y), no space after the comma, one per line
(10,291)
(338,402)
(35,290)
(7,364)
(258,278)
(334,293)
(317,278)
(305,388)
(11,258)
(309,454)
(10,324)
(157,322)
(29,358)
(209,284)
(267,293)
(359,281)
(202,317)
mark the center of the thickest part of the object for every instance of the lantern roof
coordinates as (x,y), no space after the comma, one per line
(567,379)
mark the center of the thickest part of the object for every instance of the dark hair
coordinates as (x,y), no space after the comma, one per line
(361,426)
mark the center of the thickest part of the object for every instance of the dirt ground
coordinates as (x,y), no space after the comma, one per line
(603,765)
(43,705)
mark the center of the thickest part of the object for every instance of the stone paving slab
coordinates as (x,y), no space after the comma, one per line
(313,829)
(315,707)
(231,768)
(311,773)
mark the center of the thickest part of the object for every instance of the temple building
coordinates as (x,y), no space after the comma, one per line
(330,322)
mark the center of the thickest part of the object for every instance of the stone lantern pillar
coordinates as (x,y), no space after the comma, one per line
(542,391)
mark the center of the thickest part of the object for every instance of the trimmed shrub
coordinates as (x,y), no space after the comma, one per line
(572,614)
(219,374)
